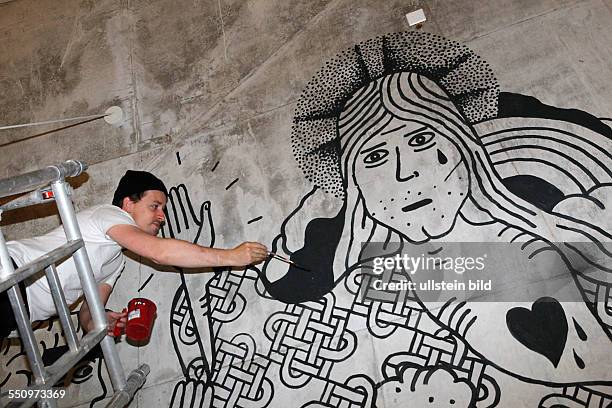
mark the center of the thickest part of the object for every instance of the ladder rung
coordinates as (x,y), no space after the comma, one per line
(40,263)
(69,359)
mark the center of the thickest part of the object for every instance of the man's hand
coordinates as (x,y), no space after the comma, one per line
(116,319)
(85,320)
(249,253)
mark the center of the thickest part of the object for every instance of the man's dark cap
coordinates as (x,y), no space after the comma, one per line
(135,182)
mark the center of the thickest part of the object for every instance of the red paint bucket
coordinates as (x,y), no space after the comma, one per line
(141,314)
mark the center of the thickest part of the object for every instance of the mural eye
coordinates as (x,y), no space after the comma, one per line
(376,156)
(82,374)
(420,139)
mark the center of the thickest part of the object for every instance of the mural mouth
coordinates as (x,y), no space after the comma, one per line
(418,204)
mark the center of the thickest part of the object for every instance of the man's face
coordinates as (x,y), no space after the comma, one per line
(148,212)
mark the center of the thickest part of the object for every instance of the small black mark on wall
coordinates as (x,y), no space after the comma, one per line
(231,184)
(581,334)
(214,167)
(254,219)
(178,158)
(145,282)
(579,361)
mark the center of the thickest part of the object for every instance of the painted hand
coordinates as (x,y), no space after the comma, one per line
(191,394)
(183,222)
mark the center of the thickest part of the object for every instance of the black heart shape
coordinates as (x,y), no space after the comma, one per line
(542,329)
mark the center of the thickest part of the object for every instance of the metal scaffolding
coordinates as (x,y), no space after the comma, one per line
(43,186)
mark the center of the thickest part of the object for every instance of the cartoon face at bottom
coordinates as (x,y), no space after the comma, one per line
(412,179)
(425,388)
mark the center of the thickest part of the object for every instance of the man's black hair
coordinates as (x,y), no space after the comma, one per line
(134,183)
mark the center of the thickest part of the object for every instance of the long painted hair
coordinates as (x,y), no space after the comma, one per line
(421,77)
(413,97)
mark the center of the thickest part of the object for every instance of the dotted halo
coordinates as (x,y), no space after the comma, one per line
(467,79)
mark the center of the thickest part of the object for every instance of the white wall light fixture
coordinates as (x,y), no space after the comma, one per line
(416,17)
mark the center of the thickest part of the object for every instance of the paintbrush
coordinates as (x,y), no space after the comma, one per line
(286,260)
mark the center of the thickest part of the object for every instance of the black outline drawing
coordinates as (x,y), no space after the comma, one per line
(231,184)
(145,283)
(420,78)
(254,219)
(309,338)
(308,341)
(182,220)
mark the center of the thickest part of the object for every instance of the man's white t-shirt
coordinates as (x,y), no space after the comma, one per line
(105,255)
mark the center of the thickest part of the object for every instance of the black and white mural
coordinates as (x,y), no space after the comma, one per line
(407,139)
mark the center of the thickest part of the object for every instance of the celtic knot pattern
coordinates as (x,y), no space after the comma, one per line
(239,376)
(307,339)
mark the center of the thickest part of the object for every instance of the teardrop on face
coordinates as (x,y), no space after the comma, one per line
(578,360)
(442,159)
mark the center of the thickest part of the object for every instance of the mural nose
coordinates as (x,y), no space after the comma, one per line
(398,168)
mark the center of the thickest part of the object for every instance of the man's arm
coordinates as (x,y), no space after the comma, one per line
(85,315)
(169,251)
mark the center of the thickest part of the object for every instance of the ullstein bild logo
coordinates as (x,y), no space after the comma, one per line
(490,272)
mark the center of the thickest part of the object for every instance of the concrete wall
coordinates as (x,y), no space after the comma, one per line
(210,91)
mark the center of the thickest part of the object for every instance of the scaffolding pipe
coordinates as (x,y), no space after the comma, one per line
(33,198)
(21,315)
(134,381)
(63,312)
(30,181)
(90,288)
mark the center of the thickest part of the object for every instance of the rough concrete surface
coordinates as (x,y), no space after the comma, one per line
(217,102)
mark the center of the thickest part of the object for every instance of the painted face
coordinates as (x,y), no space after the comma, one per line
(430,388)
(412,179)
(148,212)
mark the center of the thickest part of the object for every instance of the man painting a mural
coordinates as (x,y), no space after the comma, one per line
(132,222)
(351,141)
